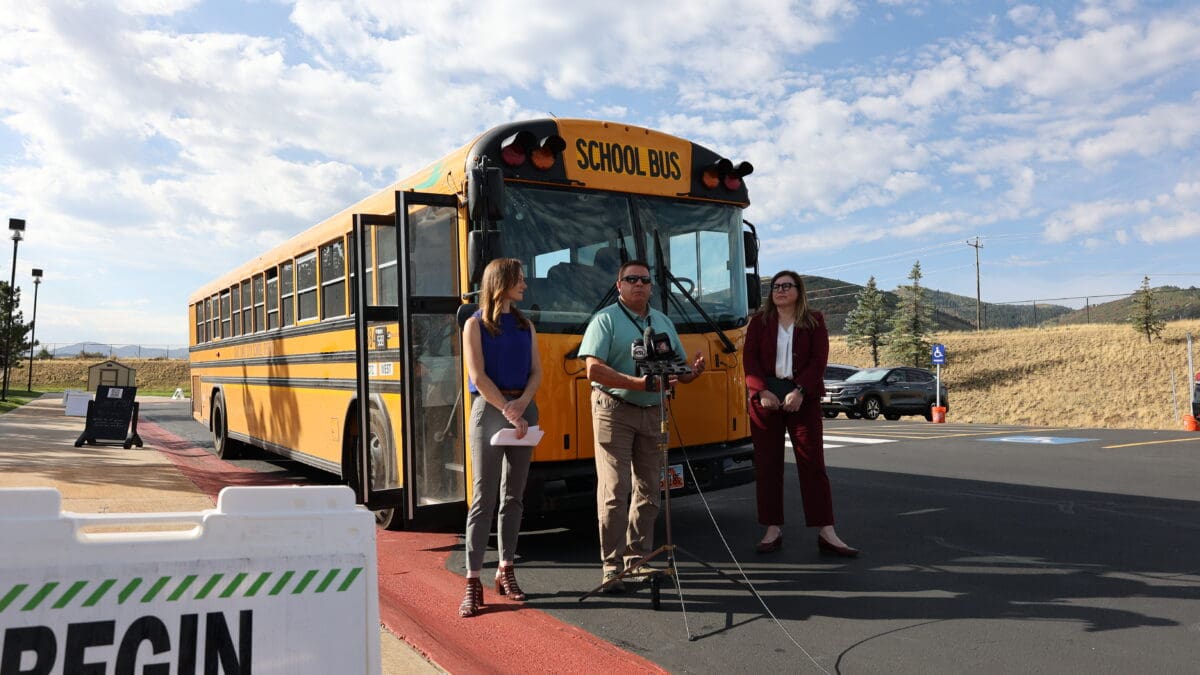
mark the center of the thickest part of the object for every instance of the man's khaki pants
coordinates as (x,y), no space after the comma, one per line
(627,455)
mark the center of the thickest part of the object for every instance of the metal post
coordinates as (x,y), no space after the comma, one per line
(1191,376)
(37,281)
(17,226)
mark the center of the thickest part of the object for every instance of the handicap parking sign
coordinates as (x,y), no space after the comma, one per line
(939,355)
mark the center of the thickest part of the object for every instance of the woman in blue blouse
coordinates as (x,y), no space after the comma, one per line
(500,347)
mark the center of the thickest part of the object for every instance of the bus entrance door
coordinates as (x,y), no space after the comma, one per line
(413,326)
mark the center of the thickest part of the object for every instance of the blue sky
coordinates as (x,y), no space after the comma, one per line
(151,144)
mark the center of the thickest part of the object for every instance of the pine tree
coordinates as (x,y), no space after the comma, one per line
(908,341)
(18,335)
(866,324)
(1145,315)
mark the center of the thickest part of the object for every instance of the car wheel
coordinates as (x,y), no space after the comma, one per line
(829,414)
(891,417)
(929,414)
(872,408)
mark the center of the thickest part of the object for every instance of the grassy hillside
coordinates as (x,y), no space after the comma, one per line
(836,298)
(1075,376)
(1171,302)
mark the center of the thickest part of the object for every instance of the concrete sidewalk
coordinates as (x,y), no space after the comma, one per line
(37,450)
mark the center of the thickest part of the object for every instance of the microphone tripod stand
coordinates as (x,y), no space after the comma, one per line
(663,370)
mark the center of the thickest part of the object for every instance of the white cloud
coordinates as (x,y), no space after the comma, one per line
(1166,229)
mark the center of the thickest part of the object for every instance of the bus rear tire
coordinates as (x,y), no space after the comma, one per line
(224,446)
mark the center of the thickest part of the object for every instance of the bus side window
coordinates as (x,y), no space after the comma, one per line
(272,298)
(225,315)
(259,304)
(236,304)
(306,287)
(214,314)
(287,282)
(333,280)
(247,309)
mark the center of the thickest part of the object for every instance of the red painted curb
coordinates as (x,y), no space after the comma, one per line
(419,597)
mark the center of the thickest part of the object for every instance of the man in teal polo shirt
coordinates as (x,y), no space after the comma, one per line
(626,421)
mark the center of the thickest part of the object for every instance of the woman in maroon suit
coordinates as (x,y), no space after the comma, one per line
(787,346)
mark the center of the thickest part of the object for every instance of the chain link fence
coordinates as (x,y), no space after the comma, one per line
(107,350)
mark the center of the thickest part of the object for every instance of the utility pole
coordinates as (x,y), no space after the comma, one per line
(978,298)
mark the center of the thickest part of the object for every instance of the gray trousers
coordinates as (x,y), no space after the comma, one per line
(498,471)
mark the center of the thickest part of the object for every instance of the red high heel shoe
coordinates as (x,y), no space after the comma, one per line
(770,546)
(834,549)
(472,599)
(506,584)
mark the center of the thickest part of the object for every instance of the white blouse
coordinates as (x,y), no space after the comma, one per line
(783,352)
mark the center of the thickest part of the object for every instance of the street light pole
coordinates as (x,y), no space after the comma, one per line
(37,281)
(17,225)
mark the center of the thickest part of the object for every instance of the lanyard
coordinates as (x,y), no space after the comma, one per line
(633,320)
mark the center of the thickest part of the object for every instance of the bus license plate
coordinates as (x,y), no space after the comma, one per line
(675,471)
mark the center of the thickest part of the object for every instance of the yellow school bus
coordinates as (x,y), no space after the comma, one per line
(355,323)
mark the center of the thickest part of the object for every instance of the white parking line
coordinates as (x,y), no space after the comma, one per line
(857,439)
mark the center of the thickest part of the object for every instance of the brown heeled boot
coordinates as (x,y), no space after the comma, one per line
(472,599)
(506,584)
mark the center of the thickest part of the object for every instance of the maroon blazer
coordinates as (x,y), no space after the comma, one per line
(810,352)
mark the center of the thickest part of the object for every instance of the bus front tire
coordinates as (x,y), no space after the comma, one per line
(381,453)
(224,446)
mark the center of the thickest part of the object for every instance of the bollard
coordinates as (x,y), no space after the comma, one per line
(939,414)
(1189,423)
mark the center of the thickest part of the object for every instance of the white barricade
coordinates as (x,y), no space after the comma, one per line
(76,401)
(273,580)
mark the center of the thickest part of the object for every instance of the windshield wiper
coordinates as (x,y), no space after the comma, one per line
(666,273)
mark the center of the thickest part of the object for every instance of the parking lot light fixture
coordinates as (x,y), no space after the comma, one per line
(37,281)
(17,227)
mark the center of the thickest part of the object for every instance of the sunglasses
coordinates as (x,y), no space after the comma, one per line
(786,286)
(634,278)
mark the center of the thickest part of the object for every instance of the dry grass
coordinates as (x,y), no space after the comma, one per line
(1078,376)
(59,374)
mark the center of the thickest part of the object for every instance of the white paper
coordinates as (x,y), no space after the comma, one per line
(509,436)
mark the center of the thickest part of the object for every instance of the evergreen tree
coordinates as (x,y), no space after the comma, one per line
(18,335)
(866,324)
(908,341)
(1145,315)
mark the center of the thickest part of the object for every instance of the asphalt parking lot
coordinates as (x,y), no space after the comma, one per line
(985,549)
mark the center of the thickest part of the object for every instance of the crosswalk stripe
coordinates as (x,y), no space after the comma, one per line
(858,439)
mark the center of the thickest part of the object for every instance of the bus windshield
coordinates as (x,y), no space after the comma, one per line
(571,244)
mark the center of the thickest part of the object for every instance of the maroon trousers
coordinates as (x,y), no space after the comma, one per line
(767,428)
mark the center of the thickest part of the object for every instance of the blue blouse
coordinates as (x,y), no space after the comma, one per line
(507,357)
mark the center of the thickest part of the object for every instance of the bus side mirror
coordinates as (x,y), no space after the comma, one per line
(753,290)
(485,193)
(483,246)
(750,243)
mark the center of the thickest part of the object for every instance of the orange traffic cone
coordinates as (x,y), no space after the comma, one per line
(1189,423)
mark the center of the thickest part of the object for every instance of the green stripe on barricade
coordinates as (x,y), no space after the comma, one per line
(39,596)
(258,583)
(312,581)
(12,595)
(209,586)
(70,594)
(183,586)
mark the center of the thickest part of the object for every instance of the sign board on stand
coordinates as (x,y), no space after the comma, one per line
(273,581)
(109,417)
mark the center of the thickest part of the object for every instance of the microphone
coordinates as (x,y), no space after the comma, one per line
(648,341)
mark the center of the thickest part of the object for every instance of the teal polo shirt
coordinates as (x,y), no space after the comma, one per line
(609,336)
